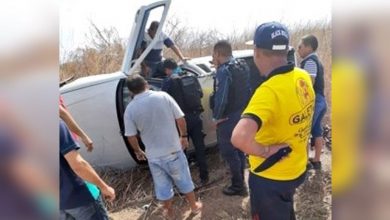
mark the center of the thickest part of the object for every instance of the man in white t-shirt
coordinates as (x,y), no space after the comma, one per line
(155,115)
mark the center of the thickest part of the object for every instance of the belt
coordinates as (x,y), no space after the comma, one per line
(193,112)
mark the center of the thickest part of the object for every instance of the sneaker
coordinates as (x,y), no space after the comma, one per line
(315,164)
(230,191)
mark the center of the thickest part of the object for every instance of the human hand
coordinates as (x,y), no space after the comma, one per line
(272,149)
(216,122)
(108,193)
(140,155)
(184,142)
(88,143)
(184,59)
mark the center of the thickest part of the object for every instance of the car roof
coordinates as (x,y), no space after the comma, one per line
(242,53)
(91,81)
(236,53)
(206,59)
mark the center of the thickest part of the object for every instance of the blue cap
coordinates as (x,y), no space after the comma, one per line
(271,36)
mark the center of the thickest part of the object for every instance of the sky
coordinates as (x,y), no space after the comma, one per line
(225,16)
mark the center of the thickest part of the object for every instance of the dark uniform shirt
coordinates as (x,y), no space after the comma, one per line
(73,190)
(231,88)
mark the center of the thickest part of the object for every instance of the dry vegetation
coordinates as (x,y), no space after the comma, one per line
(135,200)
(105,50)
(103,54)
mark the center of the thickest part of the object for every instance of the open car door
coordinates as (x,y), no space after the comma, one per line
(145,15)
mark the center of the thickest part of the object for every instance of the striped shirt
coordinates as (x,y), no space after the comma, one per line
(311,67)
(155,55)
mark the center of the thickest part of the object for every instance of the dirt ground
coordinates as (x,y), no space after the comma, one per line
(135,199)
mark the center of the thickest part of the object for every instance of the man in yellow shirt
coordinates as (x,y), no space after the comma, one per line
(275,126)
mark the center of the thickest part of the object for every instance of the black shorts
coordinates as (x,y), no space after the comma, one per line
(273,199)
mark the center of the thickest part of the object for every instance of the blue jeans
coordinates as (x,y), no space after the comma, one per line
(169,169)
(319,112)
(94,211)
(233,156)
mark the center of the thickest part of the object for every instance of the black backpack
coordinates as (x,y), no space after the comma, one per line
(235,69)
(187,92)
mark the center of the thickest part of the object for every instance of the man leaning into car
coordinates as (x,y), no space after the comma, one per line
(155,114)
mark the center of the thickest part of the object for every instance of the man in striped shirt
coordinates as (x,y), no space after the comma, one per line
(155,56)
(310,62)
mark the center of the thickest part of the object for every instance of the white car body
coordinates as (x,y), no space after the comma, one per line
(98,102)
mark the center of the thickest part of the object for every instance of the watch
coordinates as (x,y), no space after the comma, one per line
(184,136)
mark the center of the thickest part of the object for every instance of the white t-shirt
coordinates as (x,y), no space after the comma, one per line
(155,55)
(153,114)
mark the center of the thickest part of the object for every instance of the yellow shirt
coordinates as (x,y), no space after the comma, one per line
(348,112)
(285,105)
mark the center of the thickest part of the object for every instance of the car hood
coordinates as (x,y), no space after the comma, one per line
(91,81)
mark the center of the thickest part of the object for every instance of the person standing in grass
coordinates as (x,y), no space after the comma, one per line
(311,63)
(155,115)
(276,124)
(230,95)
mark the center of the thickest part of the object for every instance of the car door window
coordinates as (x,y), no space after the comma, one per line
(204,67)
(145,16)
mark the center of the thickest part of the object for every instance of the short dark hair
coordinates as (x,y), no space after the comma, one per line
(154,25)
(170,64)
(136,83)
(310,40)
(271,53)
(223,47)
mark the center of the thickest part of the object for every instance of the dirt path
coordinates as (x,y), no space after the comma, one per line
(313,198)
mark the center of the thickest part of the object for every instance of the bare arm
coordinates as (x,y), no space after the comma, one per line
(74,127)
(85,171)
(243,138)
(33,179)
(137,149)
(181,124)
(178,52)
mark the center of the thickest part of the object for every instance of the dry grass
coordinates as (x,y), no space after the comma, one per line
(136,200)
(131,186)
(314,197)
(105,50)
(103,54)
